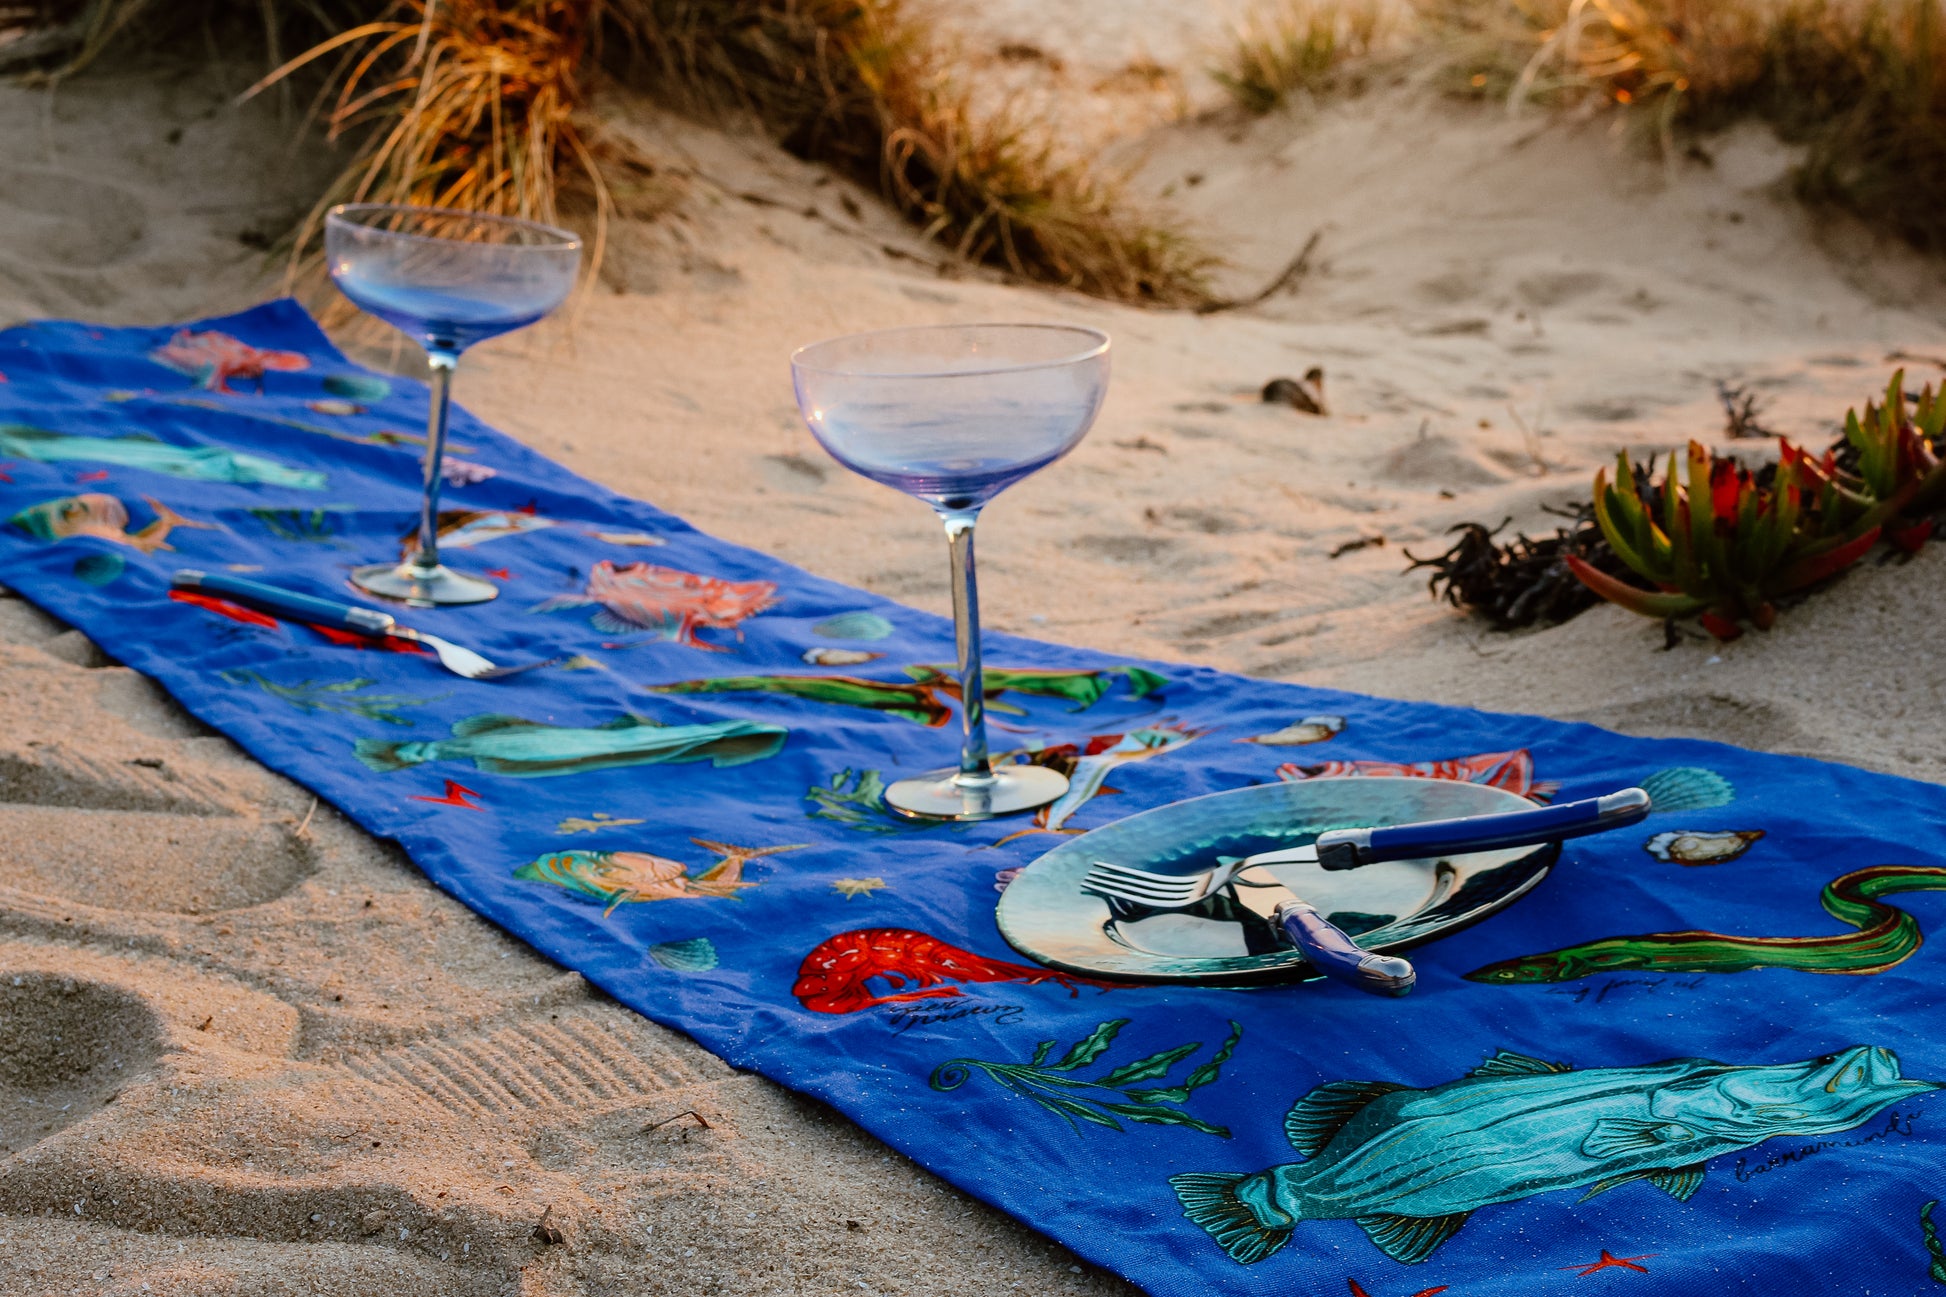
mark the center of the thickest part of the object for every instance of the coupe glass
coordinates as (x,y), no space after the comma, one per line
(955,415)
(447,279)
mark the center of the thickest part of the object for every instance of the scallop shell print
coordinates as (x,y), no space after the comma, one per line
(1688,788)
(696,955)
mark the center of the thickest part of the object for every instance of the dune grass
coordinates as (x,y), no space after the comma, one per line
(484,104)
(1295,47)
(862,86)
(1860,84)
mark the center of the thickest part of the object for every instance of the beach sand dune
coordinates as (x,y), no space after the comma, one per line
(245,1049)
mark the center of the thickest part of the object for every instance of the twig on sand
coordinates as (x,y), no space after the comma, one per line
(305,826)
(1299,266)
(1363,542)
(689,1112)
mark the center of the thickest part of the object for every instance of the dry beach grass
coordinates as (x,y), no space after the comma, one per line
(267,1017)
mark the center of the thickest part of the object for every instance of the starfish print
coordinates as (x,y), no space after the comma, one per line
(96,475)
(500,573)
(1358,1290)
(455,795)
(858,886)
(1609,1261)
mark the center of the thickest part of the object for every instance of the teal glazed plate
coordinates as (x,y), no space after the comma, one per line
(1228,939)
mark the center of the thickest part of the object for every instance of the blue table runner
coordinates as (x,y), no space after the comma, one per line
(1696,1060)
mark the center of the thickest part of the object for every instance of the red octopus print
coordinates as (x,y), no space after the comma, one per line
(213,359)
(834,977)
(1512,771)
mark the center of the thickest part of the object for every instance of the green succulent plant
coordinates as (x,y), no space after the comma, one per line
(1722,543)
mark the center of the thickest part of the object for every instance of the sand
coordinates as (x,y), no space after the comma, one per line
(245,1049)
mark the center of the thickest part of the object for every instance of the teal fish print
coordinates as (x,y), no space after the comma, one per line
(509,745)
(1411,1165)
(197,463)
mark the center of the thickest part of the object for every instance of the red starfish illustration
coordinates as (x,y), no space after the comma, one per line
(5,476)
(501,573)
(97,475)
(1357,1290)
(456,795)
(1610,1261)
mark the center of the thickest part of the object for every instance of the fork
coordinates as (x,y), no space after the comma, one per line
(369,622)
(1325,946)
(1354,848)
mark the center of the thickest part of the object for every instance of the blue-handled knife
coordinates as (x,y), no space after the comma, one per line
(1352,848)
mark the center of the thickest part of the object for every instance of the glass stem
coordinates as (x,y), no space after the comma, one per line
(442,362)
(974,768)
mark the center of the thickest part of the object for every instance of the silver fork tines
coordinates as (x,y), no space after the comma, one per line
(1158,891)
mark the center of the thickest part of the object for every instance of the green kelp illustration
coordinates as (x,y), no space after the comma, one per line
(1116,1093)
(511,745)
(320,526)
(856,799)
(344,697)
(1883,936)
(923,700)
(197,463)
(1933,1249)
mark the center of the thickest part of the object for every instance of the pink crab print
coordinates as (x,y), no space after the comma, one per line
(213,359)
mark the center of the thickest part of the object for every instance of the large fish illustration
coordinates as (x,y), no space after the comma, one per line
(213,359)
(509,745)
(101,516)
(197,463)
(669,603)
(1411,1165)
(614,877)
(1512,771)
(1105,752)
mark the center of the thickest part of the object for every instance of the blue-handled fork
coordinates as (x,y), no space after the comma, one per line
(369,622)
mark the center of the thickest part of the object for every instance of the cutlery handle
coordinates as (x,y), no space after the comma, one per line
(285,603)
(1350,848)
(1329,950)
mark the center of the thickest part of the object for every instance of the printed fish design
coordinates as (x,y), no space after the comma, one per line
(1311,729)
(835,977)
(671,604)
(696,955)
(1885,936)
(509,745)
(1513,771)
(199,464)
(1410,1165)
(214,358)
(465,528)
(1103,753)
(1696,847)
(101,516)
(615,877)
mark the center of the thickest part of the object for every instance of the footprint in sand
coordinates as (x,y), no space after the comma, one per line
(147,860)
(66,1048)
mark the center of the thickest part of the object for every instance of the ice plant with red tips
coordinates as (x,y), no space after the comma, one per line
(1723,544)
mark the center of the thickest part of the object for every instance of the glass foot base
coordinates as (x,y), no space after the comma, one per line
(1013,789)
(422,587)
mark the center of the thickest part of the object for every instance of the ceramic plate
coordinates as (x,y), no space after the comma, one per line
(1228,939)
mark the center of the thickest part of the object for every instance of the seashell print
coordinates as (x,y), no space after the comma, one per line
(854,625)
(336,407)
(696,955)
(1700,847)
(1688,788)
(839,657)
(1311,729)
